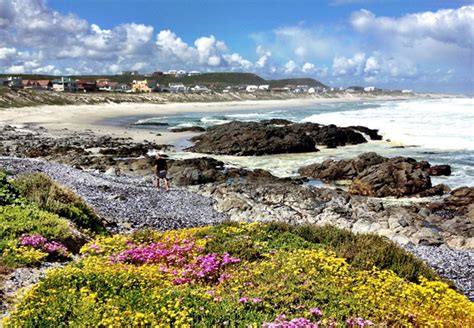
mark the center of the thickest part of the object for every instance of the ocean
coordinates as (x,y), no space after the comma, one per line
(440,131)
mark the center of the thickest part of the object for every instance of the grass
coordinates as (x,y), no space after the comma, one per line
(48,195)
(35,204)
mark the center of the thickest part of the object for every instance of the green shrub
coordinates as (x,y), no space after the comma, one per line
(18,220)
(362,251)
(8,193)
(38,188)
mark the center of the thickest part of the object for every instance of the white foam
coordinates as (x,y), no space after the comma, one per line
(446,124)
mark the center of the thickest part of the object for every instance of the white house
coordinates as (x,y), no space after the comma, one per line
(251,88)
(407,91)
(193,73)
(311,90)
(264,87)
(369,89)
(200,88)
(177,87)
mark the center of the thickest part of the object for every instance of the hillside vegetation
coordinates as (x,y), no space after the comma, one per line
(233,274)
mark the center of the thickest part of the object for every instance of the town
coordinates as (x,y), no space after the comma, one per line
(177,81)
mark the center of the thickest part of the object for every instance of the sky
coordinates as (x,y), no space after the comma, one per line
(425,45)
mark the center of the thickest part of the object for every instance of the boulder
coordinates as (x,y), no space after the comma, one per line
(399,176)
(197,171)
(459,202)
(438,170)
(331,170)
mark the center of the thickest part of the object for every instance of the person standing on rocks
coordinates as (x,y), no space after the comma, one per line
(161,171)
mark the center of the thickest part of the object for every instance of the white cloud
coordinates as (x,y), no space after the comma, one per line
(264,56)
(451,26)
(7,53)
(290,67)
(349,66)
(308,67)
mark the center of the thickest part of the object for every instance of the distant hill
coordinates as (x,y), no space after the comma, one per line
(217,79)
(296,81)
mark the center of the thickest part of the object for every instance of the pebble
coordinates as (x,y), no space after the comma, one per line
(129,203)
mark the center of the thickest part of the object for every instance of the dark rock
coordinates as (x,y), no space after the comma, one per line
(331,170)
(399,176)
(372,133)
(377,176)
(196,171)
(459,202)
(251,138)
(190,128)
(276,121)
(438,170)
(330,136)
(262,138)
(437,190)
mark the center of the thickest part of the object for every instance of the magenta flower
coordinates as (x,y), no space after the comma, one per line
(316,311)
(243,300)
(39,242)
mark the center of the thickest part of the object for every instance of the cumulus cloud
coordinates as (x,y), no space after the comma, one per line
(452,26)
(62,40)
(290,67)
(308,67)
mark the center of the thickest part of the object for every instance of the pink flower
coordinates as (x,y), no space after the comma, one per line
(316,311)
(243,300)
(257,300)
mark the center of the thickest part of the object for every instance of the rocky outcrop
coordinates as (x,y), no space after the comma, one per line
(251,138)
(459,201)
(397,177)
(189,128)
(273,137)
(79,149)
(203,170)
(377,176)
(331,170)
(273,199)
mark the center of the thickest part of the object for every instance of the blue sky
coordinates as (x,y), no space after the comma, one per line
(424,45)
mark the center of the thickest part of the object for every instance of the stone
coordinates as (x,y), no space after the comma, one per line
(427,237)
(438,170)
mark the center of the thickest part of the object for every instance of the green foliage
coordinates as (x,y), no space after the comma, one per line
(41,190)
(17,256)
(8,194)
(18,220)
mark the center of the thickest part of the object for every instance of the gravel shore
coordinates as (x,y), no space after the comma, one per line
(128,203)
(134,203)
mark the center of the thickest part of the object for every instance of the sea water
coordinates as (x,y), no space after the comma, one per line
(438,130)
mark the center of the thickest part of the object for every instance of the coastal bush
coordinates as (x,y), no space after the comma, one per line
(182,279)
(8,194)
(362,251)
(40,189)
(17,221)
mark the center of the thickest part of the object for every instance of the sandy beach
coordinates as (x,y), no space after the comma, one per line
(82,117)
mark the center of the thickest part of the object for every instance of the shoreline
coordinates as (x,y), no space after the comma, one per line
(92,117)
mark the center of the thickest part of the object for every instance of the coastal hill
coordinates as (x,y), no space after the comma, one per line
(221,79)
